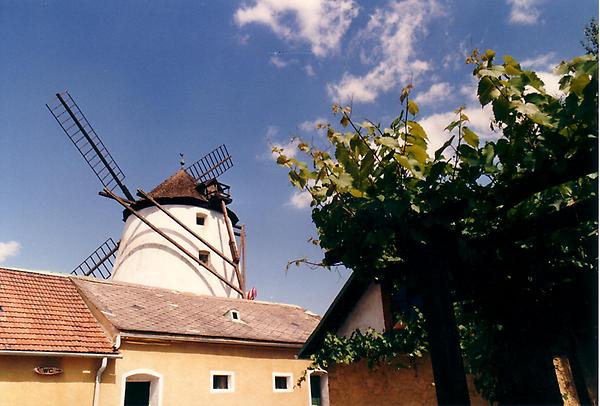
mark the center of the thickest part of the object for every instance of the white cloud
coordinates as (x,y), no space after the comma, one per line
(321,23)
(311,126)
(310,71)
(551,83)
(289,149)
(271,132)
(545,61)
(449,60)
(438,92)
(479,121)
(524,11)
(389,43)
(469,91)
(9,249)
(299,200)
(278,62)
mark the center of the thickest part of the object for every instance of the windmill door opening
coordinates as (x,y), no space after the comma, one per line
(137,393)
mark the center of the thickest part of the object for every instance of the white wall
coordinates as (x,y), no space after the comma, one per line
(368,312)
(146,258)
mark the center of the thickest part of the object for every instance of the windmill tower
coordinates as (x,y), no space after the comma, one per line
(180,235)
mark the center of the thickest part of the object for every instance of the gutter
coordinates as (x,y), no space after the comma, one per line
(61,354)
(177,338)
(103,365)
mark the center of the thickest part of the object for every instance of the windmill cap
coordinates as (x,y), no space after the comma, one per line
(179,188)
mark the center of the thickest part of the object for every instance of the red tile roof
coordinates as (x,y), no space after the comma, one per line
(44,312)
(136,308)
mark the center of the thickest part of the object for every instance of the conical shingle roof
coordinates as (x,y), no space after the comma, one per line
(180,184)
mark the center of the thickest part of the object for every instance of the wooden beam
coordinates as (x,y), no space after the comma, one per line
(145,195)
(110,194)
(232,245)
(243,252)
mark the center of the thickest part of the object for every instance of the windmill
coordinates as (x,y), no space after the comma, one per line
(198,188)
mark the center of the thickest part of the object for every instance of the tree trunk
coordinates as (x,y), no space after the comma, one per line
(446,359)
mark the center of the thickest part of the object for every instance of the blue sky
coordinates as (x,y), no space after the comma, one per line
(159,78)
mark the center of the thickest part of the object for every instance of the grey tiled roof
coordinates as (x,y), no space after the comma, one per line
(137,308)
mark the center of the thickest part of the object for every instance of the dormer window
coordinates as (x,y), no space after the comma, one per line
(200,218)
(234,315)
(204,256)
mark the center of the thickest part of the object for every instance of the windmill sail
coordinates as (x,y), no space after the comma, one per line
(80,132)
(100,263)
(211,166)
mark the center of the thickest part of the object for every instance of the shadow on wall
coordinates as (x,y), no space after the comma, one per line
(130,248)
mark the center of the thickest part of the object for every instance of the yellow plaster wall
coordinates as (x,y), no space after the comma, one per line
(186,367)
(21,386)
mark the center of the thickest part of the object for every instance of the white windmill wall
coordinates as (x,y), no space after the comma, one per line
(147,258)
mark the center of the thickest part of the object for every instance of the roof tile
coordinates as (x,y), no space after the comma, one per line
(44,312)
(138,308)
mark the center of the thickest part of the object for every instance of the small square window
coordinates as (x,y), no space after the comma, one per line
(282,382)
(200,218)
(221,381)
(204,256)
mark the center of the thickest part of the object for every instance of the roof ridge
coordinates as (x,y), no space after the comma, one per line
(154,288)
(36,271)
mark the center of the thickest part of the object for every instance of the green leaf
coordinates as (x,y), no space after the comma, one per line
(417,130)
(411,139)
(564,83)
(509,60)
(501,109)
(470,137)
(579,83)
(512,70)
(367,164)
(495,72)
(490,53)
(518,83)
(541,118)
(452,125)
(526,108)
(296,179)
(413,108)
(389,142)
(410,164)
(440,151)
(343,181)
(356,193)
(341,154)
(487,91)
(418,153)
(534,81)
